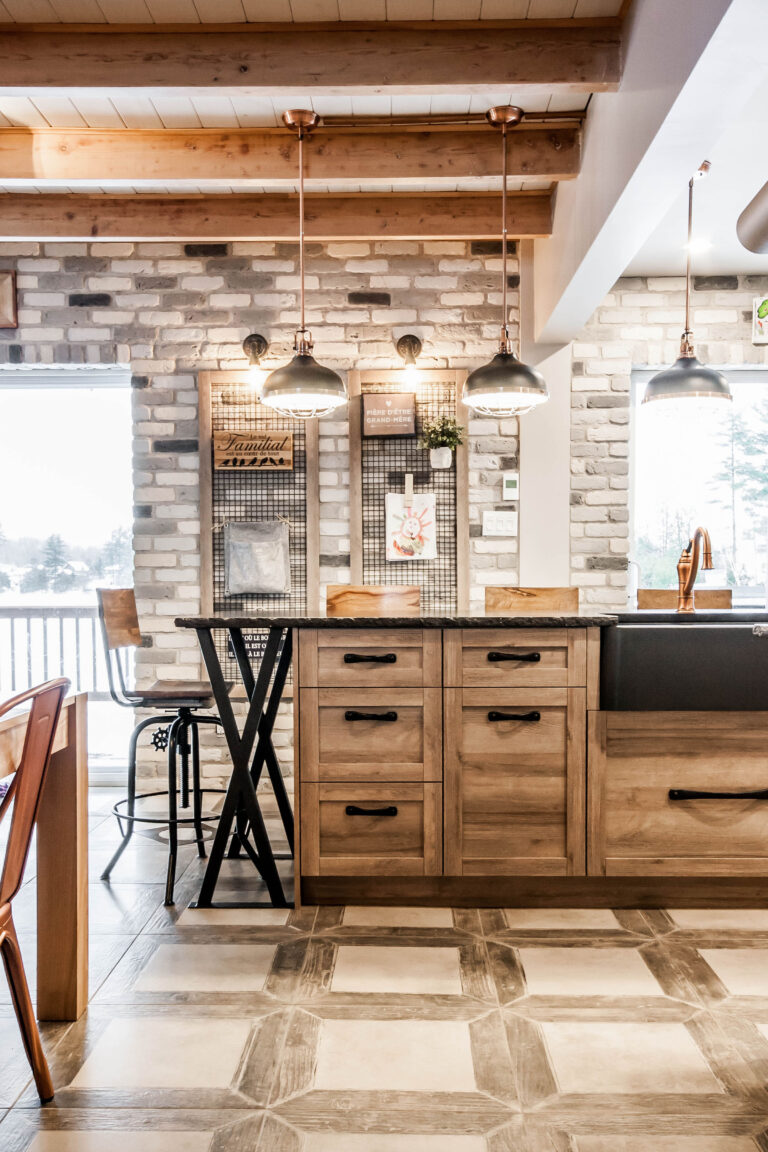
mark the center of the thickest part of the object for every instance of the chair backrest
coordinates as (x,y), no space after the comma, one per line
(373,600)
(117,610)
(27,786)
(521,601)
(667,598)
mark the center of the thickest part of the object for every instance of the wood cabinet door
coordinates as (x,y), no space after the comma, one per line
(643,820)
(514,781)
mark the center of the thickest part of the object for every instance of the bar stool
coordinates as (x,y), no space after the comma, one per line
(529,601)
(373,600)
(177,721)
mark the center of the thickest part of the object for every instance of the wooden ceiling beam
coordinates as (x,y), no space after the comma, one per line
(382,57)
(269,217)
(201,155)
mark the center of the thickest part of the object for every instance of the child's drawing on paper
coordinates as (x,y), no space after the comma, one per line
(410,528)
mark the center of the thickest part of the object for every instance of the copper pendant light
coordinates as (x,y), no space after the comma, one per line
(504,386)
(688,377)
(303,388)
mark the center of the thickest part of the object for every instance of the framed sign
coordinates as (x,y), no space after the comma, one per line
(8,313)
(253,451)
(760,320)
(387,414)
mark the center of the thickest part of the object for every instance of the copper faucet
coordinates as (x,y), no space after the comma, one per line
(688,568)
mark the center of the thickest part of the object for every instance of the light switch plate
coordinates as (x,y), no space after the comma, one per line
(499,523)
(510,485)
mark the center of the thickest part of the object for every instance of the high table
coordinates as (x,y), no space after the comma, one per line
(62,859)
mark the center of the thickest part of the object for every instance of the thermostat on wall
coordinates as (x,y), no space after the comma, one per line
(499,523)
(510,485)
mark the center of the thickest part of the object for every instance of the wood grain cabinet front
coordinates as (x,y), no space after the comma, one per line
(371,829)
(514,781)
(678,794)
(515,658)
(370,735)
(370,657)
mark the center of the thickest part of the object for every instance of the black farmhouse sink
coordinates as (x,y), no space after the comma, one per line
(707,661)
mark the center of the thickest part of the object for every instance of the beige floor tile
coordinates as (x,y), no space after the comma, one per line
(587,972)
(421,971)
(371,1142)
(736,919)
(744,971)
(700,1143)
(121,1142)
(361,917)
(395,1055)
(148,1052)
(207,968)
(627,1058)
(561,919)
(233,917)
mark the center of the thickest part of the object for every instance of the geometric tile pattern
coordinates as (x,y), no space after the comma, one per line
(400,1030)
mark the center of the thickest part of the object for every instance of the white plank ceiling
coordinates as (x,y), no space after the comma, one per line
(261,11)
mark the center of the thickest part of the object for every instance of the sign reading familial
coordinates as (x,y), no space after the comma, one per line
(254,451)
(389,414)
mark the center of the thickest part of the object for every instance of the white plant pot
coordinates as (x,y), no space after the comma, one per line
(440,457)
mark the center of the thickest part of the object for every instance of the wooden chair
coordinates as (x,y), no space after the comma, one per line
(530,601)
(26,789)
(373,600)
(666,598)
(177,730)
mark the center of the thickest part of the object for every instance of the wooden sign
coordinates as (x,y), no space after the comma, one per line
(389,414)
(255,451)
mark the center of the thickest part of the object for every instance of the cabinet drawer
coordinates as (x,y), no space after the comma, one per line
(369,734)
(637,758)
(514,779)
(371,829)
(515,657)
(370,657)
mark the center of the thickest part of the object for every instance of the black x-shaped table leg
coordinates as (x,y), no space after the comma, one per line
(241,805)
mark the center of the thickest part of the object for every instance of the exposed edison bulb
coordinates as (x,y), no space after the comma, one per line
(411,374)
(256,378)
(408,348)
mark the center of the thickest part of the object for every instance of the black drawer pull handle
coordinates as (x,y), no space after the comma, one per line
(526,717)
(357,658)
(355,810)
(350,714)
(695,794)
(523,657)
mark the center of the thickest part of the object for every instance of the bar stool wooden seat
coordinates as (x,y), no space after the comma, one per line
(666,598)
(25,790)
(373,600)
(530,601)
(177,730)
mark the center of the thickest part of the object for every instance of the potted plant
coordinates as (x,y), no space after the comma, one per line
(442,437)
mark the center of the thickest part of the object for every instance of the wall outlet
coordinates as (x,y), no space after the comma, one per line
(499,523)
(510,485)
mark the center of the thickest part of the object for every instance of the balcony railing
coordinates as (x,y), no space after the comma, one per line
(39,643)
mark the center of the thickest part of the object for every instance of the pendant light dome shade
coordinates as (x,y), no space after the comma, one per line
(688,378)
(504,385)
(303,388)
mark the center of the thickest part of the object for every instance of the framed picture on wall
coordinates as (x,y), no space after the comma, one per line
(760,320)
(392,414)
(8,311)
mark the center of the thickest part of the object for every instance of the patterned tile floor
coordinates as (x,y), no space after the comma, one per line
(396,1030)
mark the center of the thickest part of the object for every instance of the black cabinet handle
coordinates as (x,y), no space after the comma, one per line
(355,810)
(526,717)
(350,714)
(523,657)
(357,658)
(695,794)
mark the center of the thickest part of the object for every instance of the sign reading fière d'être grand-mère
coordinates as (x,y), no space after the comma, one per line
(255,451)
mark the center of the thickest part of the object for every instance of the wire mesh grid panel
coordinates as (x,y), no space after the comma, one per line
(242,495)
(385,461)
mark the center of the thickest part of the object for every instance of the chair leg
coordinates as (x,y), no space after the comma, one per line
(22,1003)
(197,797)
(173,828)
(131,806)
(184,750)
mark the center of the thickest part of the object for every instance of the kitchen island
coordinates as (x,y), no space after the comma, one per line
(468,760)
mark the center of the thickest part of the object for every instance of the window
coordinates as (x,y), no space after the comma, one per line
(702,462)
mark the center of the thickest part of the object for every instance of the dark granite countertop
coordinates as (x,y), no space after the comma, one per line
(264,620)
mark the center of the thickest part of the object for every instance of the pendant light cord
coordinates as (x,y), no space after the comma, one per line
(504,324)
(302,328)
(687,333)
